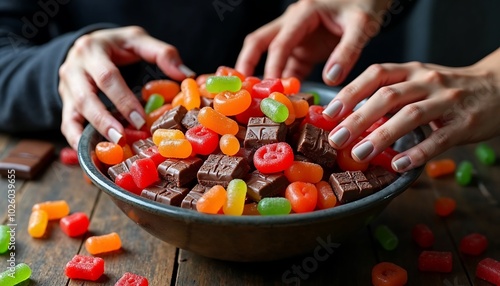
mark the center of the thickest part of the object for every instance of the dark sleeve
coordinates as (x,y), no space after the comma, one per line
(30,58)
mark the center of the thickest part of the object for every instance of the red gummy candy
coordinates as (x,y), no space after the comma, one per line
(203,140)
(384,159)
(252,111)
(144,172)
(389,274)
(272,158)
(132,135)
(267,86)
(85,268)
(131,279)
(435,261)
(316,118)
(473,244)
(75,224)
(377,124)
(489,269)
(422,235)
(153,153)
(126,181)
(68,156)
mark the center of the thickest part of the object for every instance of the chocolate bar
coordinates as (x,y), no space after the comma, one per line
(165,193)
(190,120)
(313,143)
(379,177)
(180,171)
(309,97)
(171,119)
(27,159)
(220,169)
(116,170)
(265,185)
(242,132)
(189,202)
(140,145)
(351,185)
(131,160)
(262,131)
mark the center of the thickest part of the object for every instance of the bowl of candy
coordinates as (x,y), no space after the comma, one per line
(242,181)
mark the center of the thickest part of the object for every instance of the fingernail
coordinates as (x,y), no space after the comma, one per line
(340,137)
(137,119)
(114,135)
(363,150)
(401,163)
(334,72)
(186,71)
(333,109)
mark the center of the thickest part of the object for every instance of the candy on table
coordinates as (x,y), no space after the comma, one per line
(435,261)
(304,172)
(440,168)
(166,134)
(261,185)
(489,269)
(22,272)
(227,71)
(172,119)
(387,239)
(217,84)
(212,200)
(262,130)
(346,161)
(316,118)
(131,279)
(154,102)
(144,172)
(280,97)
(165,193)
(27,159)
(326,197)
(220,169)
(473,244)
(4,238)
(217,121)
(485,154)
(175,148)
(109,153)
(274,206)
(389,274)
(291,85)
(38,223)
(229,144)
(166,88)
(236,194)
(267,86)
(103,243)
(232,103)
(422,235)
(302,196)
(384,159)
(75,224)
(313,143)
(68,156)
(181,172)
(277,111)
(272,158)
(203,140)
(252,111)
(189,88)
(54,209)
(84,267)
(444,206)
(463,173)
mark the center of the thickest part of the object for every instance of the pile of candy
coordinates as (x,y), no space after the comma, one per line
(230,144)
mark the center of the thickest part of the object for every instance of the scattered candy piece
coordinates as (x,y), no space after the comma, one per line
(103,243)
(85,268)
(422,235)
(485,154)
(444,206)
(4,238)
(38,223)
(131,279)
(387,239)
(21,273)
(68,156)
(440,168)
(389,274)
(489,269)
(435,261)
(54,209)
(463,174)
(75,224)
(473,244)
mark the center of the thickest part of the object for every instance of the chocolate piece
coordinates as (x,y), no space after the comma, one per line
(141,145)
(220,169)
(302,158)
(190,120)
(27,159)
(313,143)
(180,171)
(265,185)
(309,97)
(242,132)
(379,177)
(165,193)
(131,160)
(350,186)
(205,101)
(246,153)
(116,170)
(171,119)
(189,202)
(262,131)
(292,134)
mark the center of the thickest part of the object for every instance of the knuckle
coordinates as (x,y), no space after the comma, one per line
(384,135)
(79,98)
(98,119)
(350,90)
(277,46)
(453,94)
(358,119)
(413,112)
(106,76)
(169,52)
(434,77)
(136,31)
(376,70)
(388,94)
(441,139)
(82,44)
(415,64)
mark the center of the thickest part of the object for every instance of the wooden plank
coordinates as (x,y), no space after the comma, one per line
(48,256)
(141,253)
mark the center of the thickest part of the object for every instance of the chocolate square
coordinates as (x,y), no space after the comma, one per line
(141,145)
(205,101)
(309,97)
(242,132)
(171,119)
(221,169)
(27,158)
(190,120)
(265,185)
(262,131)
(131,160)
(165,193)
(189,202)
(116,170)
(379,177)
(180,171)
(313,143)
(350,186)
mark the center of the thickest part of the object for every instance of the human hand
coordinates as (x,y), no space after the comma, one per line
(92,65)
(310,31)
(460,104)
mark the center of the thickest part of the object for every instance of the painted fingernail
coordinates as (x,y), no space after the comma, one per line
(333,109)
(186,71)
(137,119)
(340,137)
(363,150)
(334,72)
(114,135)
(401,163)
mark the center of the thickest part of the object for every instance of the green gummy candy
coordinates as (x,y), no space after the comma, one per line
(155,101)
(21,273)
(463,174)
(4,238)
(277,111)
(216,84)
(274,206)
(485,154)
(386,237)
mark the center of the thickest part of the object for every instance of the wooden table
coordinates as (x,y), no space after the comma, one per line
(163,264)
